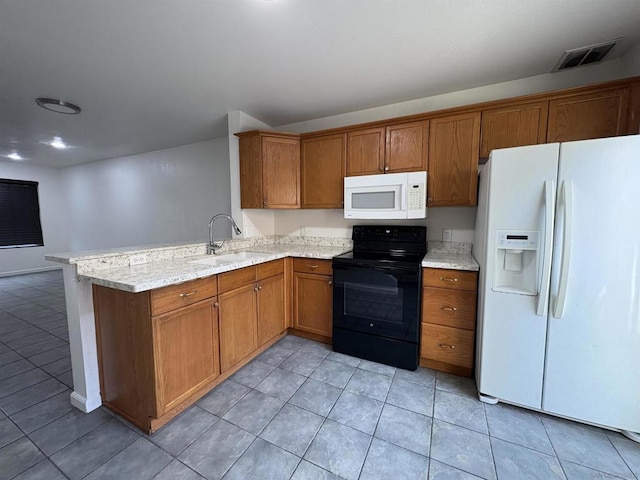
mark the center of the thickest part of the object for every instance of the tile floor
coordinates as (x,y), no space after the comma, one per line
(297,412)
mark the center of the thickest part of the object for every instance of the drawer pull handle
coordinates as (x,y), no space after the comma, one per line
(185,295)
(312,267)
(448,309)
(444,345)
(445,279)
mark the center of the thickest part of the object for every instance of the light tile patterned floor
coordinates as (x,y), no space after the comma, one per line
(299,411)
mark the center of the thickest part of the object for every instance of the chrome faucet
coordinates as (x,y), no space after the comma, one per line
(212,247)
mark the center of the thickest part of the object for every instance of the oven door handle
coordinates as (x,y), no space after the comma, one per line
(379,268)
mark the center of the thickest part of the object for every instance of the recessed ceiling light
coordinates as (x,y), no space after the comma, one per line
(58,143)
(58,106)
(14,156)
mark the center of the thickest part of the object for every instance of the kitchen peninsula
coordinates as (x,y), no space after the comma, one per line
(127,290)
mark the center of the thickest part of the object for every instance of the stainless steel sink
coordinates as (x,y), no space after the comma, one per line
(217,260)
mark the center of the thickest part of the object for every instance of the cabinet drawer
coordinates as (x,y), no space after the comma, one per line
(176,296)
(269,269)
(452,308)
(442,278)
(448,345)
(228,281)
(312,265)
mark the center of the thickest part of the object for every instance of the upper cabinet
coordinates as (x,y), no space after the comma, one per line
(513,126)
(269,170)
(453,160)
(391,149)
(593,115)
(322,162)
(407,147)
(281,170)
(365,151)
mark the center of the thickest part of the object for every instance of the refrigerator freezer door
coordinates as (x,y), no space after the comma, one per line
(593,350)
(511,336)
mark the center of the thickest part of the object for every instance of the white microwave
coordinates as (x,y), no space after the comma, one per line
(386,196)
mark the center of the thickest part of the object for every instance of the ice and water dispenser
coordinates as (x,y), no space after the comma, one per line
(517,257)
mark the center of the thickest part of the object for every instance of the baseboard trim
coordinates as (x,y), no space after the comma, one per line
(83,404)
(32,270)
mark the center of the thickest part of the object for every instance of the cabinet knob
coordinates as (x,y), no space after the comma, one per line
(265,204)
(330,282)
(386,169)
(260,287)
(255,289)
(185,295)
(444,345)
(446,279)
(430,200)
(381,169)
(216,304)
(448,309)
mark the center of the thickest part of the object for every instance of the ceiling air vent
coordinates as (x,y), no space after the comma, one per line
(585,55)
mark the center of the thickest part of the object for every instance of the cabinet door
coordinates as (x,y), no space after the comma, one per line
(406,147)
(281,172)
(312,303)
(238,327)
(185,347)
(322,169)
(633,115)
(271,318)
(365,151)
(513,126)
(453,160)
(594,115)
(251,195)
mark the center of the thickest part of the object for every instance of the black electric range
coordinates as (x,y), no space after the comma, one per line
(376,295)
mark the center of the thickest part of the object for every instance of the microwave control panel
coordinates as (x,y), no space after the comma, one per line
(416,194)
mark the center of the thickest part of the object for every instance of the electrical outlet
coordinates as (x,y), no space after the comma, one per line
(447,235)
(249,232)
(303,231)
(138,259)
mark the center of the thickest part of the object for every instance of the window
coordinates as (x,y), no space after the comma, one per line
(19,214)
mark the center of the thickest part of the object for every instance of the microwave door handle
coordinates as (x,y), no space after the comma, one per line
(403,195)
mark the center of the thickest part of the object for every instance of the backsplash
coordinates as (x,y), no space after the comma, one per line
(459,248)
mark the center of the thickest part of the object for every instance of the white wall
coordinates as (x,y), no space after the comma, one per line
(459,219)
(632,61)
(53,217)
(156,197)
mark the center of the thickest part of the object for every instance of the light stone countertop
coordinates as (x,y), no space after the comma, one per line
(452,261)
(157,274)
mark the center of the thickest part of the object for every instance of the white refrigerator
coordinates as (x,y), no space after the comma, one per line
(558,243)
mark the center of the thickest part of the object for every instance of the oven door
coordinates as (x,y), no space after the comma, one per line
(380,300)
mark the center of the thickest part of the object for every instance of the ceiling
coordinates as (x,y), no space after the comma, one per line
(152,74)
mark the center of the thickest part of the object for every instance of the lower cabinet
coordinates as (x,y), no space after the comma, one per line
(252,312)
(150,363)
(448,320)
(313,297)
(185,346)
(238,325)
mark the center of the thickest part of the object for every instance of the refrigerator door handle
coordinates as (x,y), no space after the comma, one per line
(549,213)
(566,194)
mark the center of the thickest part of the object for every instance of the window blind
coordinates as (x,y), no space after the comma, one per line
(19,214)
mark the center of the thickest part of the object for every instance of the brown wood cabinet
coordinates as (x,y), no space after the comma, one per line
(448,320)
(151,364)
(252,310)
(365,151)
(323,163)
(312,297)
(513,126)
(186,357)
(269,170)
(390,149)
(406,147)
(453,160)
(592,115)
